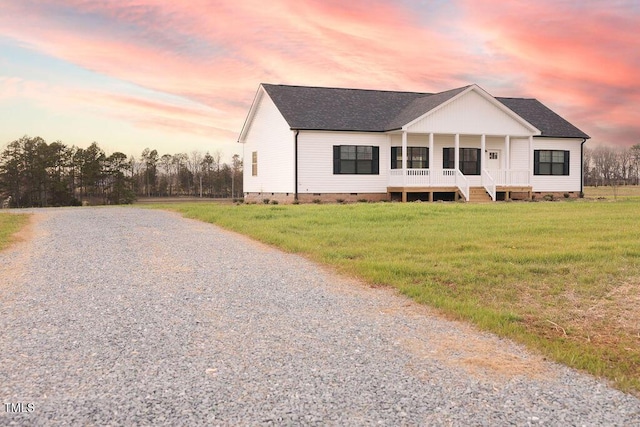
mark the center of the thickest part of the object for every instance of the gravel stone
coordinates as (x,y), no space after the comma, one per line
(125,316)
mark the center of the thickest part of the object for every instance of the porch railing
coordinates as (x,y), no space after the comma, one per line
(447,177)
(489,184)
(491,179)
(423,178)
(463,184)
(430,178)
(513,177)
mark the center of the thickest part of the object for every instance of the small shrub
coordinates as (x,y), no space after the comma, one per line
(581,195)
(362,200)
(340,201)
(274,202)
(567,195)
(265,201)
(548,197)
(317,201)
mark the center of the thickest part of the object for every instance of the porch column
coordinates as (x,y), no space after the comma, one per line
(457,151)
(404,158)
(483,149)
(507,152)
(431,166)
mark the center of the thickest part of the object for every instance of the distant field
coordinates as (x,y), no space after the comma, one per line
(9,225)
(560,277)
(613,193)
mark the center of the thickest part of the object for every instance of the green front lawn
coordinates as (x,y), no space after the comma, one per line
(9,225)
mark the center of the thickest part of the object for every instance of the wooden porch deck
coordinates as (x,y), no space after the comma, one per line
(477,194)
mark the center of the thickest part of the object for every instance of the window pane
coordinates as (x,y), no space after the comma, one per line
(364,166)
(365,153)
(469,161)
(469,154)
(448,158)
(545,168)
(347,166)
(545,156)
(558,157)
(347,152)
(557,168)
(418,153)
(469,168)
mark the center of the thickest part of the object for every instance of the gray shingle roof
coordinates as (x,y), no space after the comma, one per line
(319,108)
(542,117)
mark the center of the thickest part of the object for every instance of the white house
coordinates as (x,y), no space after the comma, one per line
(307,143)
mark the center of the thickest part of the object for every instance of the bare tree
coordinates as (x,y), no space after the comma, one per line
(604,165)
(625,164)
(635,156)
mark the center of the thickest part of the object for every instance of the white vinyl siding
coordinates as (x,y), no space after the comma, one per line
(270,137)
(558,183)
(315,163)
(519,155)
(471,113)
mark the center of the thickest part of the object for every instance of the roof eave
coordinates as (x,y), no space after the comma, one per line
(585,136)
(252,112)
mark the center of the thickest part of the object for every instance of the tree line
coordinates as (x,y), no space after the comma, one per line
(612,166)
(34,173)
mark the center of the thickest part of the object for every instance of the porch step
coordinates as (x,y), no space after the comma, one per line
(479,194)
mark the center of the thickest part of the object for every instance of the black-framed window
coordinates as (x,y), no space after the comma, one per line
(469,163)
(550,162)
(417,157)
(356,159)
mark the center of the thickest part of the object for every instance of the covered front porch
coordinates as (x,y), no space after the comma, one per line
(473,167)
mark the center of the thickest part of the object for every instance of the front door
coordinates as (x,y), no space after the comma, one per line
(492,160)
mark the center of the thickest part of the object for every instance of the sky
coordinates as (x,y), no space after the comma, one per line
(179,76)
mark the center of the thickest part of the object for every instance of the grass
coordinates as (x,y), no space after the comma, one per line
(10,224)
(620,192)
(560,277)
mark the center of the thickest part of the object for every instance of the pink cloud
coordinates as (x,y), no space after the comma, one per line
(577,57)
(216,52)
(242,43)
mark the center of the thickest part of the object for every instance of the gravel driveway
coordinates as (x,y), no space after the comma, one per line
(125,316)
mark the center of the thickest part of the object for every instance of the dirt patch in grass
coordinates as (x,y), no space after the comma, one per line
(598,320)
(19,243)
(613,318)
(621,307)
(27,232)
(484,358)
